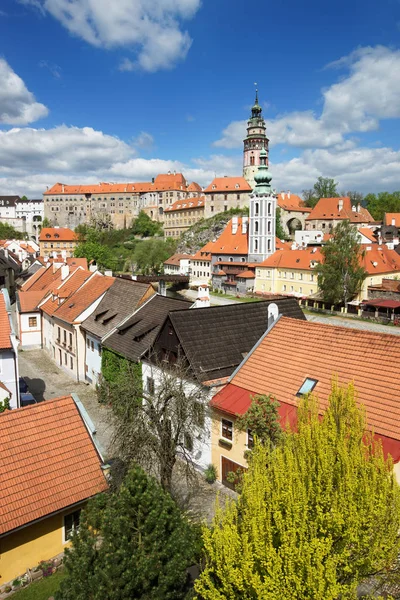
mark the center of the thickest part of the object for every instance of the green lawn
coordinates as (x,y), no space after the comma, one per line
(41,590)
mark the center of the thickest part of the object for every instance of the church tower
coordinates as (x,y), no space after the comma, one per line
(262,211)
(255,141)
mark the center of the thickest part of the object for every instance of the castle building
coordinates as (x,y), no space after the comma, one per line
(262,220)
(255,141)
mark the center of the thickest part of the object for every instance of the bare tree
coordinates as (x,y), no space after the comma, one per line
(160,422)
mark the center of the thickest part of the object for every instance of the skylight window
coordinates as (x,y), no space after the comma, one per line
(307,387)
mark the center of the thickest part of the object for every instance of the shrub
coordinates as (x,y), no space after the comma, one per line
(210,473)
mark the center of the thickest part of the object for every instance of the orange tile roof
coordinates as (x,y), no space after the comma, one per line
(33,278)
(389,217)
(28,301)
(60,234)
(293,259)
(68,287)
(379,259)
(186,204)
(289,201)
(83,298)
(229,243)
(204,253)
(48,462)
(368,233)
(47,277)
(167,181)
(328,208)
(5,326)
(175,259)
(280,364)
(246,275)
(280,245)
(194,187)
(228,184)
(77,262)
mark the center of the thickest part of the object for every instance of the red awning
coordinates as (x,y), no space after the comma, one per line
(382,303)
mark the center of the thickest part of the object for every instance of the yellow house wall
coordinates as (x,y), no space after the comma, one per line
(304,282)
(28,546)
(239,443)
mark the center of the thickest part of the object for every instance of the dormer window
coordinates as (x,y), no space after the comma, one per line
(307,387)
(213,187)
(48,235)
(56,235)
(237,186)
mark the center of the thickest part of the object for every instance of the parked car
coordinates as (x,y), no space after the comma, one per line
(23,386)
(27,399)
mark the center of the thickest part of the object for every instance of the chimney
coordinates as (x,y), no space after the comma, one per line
(245,221)
(340,204)
(393,222)
(353,208)
(234,225)
(64,272)
(152,180)
(62,188)
(169,172)
(6,253)
(174,172)
(283,195)
(358,207)
(203,296)
(273,313)
(288,194)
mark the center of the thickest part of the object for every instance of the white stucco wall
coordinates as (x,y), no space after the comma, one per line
(201,454)
(30,336)
(93,358)
(9,375)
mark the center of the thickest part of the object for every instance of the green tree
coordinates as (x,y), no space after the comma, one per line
(355,197)
(145,226)
(341,274)
(149,255)
(262,418)
(318,514)
(309,198)
(280,232)
(24,198)
(97,252)
(157,425)
(384,202)
(46,222)
(325,187)
(7,232)
(138,546)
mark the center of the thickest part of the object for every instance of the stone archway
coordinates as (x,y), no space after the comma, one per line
(292,225)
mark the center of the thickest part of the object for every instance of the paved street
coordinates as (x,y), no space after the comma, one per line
(46,381)
(353,323)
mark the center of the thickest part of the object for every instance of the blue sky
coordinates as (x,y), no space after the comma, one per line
(100,90)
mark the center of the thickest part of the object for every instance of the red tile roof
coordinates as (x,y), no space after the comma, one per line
(246,275)
(28,301)
(186,204)
(57,234)
(368,233)
(294,350)
(289,201)
(194,187)
(329,209)
(44,279)
(390,217)
(228,184)
(293,259)
(167,181)
(5,326)
(204,253)
(68,287)
(175,259)
(83,298)
(48,462)
(230,243)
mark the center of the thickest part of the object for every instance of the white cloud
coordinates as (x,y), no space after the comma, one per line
(152,28)
(356,103)
(54,69)
(144,141)
(17,104)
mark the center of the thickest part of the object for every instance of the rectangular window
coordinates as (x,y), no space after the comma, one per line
(71,363)
(227,429)
(65,336)
(92,345)
(59,334)
(32,321)
(71,524)
(88,343)
(312,277)
(65,358)
(70,339)
(308,386)
(150,385)
(99,349)
(250,439)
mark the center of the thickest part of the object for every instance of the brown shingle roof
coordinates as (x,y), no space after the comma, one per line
(120,300)
(135,336)
(294,350)
(48,462)
(84,297)
(214,339)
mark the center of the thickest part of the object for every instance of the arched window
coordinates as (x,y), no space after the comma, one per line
(269,208)
(269,227)
(251,160)
(269,245)
(256,209)
(255,245)
(255,226)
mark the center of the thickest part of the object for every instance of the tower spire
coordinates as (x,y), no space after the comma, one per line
(255,141)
